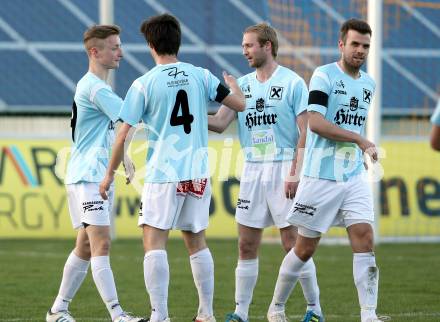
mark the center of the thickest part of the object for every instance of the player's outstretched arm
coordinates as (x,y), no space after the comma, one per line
(319,125)
(435,137)
(221,120)
(116,159)
(236,99)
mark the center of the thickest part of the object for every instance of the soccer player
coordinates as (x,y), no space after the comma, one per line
(333,190)
(172,99)
(435,131)
(272,132)
(94,113)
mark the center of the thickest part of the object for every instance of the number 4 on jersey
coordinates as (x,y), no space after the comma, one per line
(186,118)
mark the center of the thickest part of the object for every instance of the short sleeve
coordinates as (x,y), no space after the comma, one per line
(134,104)
(435,118)
(106,101)
(320,89)
(300,97)
(211,83)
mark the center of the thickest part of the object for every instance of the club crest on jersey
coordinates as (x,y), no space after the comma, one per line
(367,95)
(259,105)
(276,92)
(354,104)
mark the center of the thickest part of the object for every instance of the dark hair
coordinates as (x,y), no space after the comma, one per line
(265,33)
(360,26)
(162,32)
(99,32)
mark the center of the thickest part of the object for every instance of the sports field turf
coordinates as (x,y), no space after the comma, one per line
(30,272)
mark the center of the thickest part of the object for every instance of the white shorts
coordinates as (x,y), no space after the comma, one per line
(86,205)
(262,201)
(320,204)
(173,205)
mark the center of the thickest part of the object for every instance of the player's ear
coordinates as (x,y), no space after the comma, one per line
(340,44)
(93,52)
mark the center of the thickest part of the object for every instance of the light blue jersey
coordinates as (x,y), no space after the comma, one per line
(94,112)
(435,118)
(172,101)
(344,101)
(267,127)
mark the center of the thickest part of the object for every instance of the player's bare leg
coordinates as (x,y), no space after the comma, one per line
(202,267)
(365,271)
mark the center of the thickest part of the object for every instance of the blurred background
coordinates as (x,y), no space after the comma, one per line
(42,58)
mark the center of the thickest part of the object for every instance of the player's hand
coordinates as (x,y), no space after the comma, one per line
(368,148)
(290,188)
(230,80)
(130,170)
(105,186)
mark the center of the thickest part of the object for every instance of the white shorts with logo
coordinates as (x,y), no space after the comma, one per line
(174,205)
(320,204)
(86,205)
(262,201)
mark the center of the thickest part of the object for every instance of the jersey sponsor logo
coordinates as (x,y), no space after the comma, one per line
(252,119)
(174,72)
(346,115)
(256,119)
(367,95)
(243,204)
(89,206)
(304,209)
(276,92)
(262,138)
(339,91)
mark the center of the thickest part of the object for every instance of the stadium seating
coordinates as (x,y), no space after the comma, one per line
(42,57)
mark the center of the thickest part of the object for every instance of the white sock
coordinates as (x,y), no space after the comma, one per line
(105,283)
(246,275)
(366,279)
(75,270)
(157,277)
(290,271)
(202,267)
(309,284)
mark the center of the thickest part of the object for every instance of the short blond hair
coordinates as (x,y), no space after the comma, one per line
(265,33)
(99,32)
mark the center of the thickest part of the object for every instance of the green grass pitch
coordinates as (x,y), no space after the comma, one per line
(30,272)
